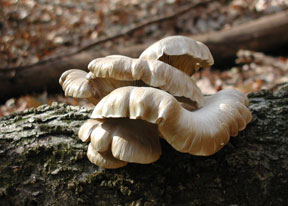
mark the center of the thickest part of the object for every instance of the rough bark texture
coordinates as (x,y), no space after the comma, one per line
(266,33)
(44,163)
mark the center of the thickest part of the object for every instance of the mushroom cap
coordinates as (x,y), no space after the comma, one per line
(122,139)
(104,159)
(201,132)
(86,129)
(125,71)
(74,83)
(181,52)
(112,72)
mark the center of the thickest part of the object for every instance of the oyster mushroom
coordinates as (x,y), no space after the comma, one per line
(115,142)
(200,132)
(75,84)
(112,72)
(126,124)
(181,52)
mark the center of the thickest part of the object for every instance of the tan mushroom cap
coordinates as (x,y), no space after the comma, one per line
(104,159)
(86,129)
(112,72)
(121,139)
(180,52)
(74,83)
(153,73)
(201,132)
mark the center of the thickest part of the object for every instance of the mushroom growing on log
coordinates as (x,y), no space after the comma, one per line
(43,162)
(130,117)
(200,132)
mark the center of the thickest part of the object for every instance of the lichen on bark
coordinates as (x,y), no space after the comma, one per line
(44,163)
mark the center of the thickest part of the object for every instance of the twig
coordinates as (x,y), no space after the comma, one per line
(145,24)
(116,36)
(68,5)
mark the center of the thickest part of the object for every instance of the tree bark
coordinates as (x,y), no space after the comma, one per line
(44,163)
(266,33)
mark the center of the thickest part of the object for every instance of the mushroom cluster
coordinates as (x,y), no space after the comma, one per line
(141,100)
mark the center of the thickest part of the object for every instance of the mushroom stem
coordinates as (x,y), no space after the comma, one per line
(196,68)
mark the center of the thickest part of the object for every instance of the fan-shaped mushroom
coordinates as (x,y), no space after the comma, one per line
(114,142)
(181,52)
(201,132)
(126,124)
(111,72)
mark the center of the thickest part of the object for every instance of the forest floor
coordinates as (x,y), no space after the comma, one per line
(32,31)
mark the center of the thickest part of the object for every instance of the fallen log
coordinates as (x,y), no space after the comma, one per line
(44,163)
(262,34)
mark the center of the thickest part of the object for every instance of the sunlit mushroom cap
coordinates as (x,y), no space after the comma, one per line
(139,72)
(120,141)
(112,72)
(181,52)
(201,132)
(75,84)
(87,128)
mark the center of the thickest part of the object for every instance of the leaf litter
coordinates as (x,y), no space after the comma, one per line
(32,31)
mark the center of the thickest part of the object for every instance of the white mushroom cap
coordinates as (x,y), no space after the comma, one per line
(201,132)
(152,72)
(181,52)
(86,129)
(112,72)
(75,84)
(121,139)
(104,159)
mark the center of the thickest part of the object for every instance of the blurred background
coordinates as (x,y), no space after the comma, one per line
(41,39)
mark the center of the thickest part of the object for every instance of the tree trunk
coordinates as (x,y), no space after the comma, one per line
(44,163)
